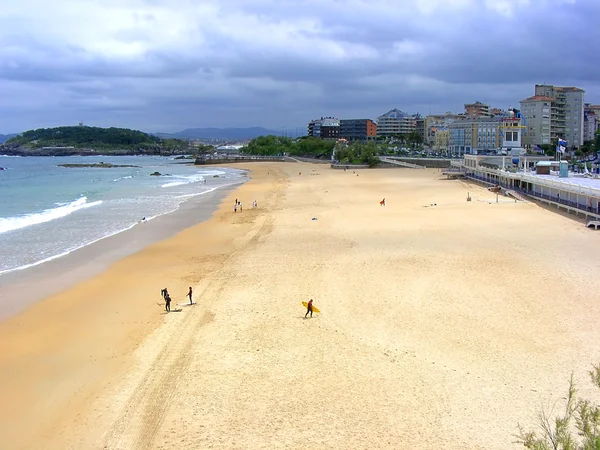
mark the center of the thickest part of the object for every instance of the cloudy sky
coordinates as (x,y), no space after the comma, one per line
(166,65)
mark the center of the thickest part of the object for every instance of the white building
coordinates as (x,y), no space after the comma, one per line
(395,122)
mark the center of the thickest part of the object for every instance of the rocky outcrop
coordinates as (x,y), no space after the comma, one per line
(100,165)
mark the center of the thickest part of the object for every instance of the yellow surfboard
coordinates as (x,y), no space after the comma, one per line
(315,309)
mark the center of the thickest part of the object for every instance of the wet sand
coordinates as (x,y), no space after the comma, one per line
(441,326)
(52,277)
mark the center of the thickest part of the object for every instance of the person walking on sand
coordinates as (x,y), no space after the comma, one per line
(168,303)
(382,202)
(164,293)
(235,208)
(241,207)
(189,294)
(309,308)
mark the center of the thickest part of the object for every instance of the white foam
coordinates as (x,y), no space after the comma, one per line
(122,178)
(15,223)
(65,253)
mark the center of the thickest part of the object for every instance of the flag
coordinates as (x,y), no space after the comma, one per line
(562,145)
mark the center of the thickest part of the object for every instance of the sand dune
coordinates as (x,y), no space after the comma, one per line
(441,326)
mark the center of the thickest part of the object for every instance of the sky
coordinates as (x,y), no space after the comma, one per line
(167,65)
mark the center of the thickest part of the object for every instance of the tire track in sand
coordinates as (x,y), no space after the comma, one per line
(136,426)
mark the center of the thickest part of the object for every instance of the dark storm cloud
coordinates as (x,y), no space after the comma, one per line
(161,65)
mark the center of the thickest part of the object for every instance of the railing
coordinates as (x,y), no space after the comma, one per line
(553,184)
(401,163)
(551,198)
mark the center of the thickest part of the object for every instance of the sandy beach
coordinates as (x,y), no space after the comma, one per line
(444,323)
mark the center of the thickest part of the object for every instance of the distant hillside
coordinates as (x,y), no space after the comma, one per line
(72,140)
(6,137)
(221,133)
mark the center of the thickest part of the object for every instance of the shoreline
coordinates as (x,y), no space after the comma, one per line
(61,351)
(443,323)
(58,273)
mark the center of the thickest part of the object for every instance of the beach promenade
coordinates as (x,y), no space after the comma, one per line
(444,323)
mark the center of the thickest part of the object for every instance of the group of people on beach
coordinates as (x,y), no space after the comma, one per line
(167,298)
(238,205)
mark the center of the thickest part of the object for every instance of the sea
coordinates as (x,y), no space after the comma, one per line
(48,211)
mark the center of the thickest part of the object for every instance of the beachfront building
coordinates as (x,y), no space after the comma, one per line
(533,177)
(324,128)
(477,110)
(442,140)
(566,112)
(433,123)
(470,136)
(591,115)
(536,111)
(358,129)
(395,122)
(485,134)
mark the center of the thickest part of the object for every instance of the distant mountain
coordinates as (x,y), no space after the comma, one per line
(6,137)
(221,133)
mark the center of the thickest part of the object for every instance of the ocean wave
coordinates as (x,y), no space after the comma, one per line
(122,178)
(183,180)
(196,178)
(15,223)
(127,227)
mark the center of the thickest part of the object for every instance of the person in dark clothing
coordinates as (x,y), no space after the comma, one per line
(168,303)
(189,294)
(309,309)
(164,293)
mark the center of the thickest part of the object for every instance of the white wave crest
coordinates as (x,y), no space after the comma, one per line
(122,178)
(26,220)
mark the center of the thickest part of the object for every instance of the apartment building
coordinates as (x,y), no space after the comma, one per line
(484,134)
(566,112)
(591,117)
(325,128)
(477,110)
(396,122)
(358,129)
(537,113)
(434,123)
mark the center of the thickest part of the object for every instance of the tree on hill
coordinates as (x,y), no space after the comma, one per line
(94,137)
(277,145)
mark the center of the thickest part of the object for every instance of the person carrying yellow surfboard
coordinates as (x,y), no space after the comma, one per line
(309,308)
